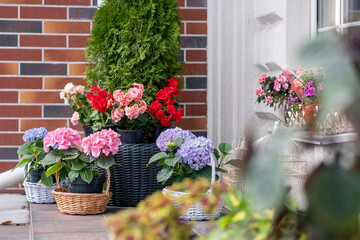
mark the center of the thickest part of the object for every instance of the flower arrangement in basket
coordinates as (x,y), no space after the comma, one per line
(182,156)
(37,184)
(64,152)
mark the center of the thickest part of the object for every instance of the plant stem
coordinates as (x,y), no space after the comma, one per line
(102,119)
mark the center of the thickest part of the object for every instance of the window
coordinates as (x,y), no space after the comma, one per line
(337,15)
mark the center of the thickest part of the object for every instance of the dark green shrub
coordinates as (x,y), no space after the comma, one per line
(134,41)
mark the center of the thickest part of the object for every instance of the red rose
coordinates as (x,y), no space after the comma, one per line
(102,94)
(100,104)
(173,83)
(171,102)
(166,121)
(170,109)
(160,115)
(177,116)
(154,107)
(90,96)
(95,88)
(161,94)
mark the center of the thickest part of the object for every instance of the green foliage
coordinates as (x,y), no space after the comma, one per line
(134,42)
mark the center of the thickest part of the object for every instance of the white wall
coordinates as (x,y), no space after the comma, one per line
(247,38)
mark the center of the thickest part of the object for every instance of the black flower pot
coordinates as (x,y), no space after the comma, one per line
(131,136)
(34,176)
(80,186)
(157,131)
(88,130)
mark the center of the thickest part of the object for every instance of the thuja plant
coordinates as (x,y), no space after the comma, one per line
(134,41)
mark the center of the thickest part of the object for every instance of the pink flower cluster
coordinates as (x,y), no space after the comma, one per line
(62,138)
(105,141)
(129,104)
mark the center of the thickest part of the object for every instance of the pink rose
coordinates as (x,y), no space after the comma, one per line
(277,86)
(143,106)
(123,99)
(69,88)
(75,118)
(132,112)
(117,114)
(139,86)
(135,93)
(118,95)
(79,89)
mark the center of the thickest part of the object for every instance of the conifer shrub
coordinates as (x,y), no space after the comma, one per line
(134,42)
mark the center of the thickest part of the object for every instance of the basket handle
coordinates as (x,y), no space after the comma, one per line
(213,173)
(108,181)
(57,179)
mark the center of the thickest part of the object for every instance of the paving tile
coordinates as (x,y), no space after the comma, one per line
(14,232)
(72,236)
(70,226)
(43,216)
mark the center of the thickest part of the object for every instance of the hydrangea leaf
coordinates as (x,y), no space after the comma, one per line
(23,149)
(86,175)
(47,180)
(50,158)
(105,161)
(156,157)
(178,142)
(164,174)
(73,174)
(225,148)
(172,161)
(54,169)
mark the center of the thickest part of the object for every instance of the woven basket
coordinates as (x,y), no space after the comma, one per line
(336,121)
(131,181)
(195,212)
(38,193)
(81,203)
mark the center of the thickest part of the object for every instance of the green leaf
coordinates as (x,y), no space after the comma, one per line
(23,149)
(172,161)
(156,157)
(77,166)
(105,161)
(54,169)
(22,162)
(84,157)
(50,158)
(97,126)
(63,173)
(95,115)
(86,175)
(164,174)
(216,154)
(71,157)
(47,180)
(71,151)
(205,172)
(225,148)
(73,174)
(221,170)
(92,159)
(178,142)
(187,169)
(233,162)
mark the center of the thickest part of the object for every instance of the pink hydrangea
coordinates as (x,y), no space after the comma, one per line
(106,141)
(62,138)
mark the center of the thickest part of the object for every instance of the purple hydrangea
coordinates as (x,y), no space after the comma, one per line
(310,92)
(35,134)
(196,152)
(171,135)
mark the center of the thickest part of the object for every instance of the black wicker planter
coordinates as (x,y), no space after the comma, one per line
(132,181)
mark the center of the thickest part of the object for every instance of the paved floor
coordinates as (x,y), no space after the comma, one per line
(46,222)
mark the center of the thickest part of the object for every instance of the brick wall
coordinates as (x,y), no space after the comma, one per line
(42,46)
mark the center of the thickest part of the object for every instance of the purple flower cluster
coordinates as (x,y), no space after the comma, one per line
(35,134)
(196,152)
(310,92)
(171,135)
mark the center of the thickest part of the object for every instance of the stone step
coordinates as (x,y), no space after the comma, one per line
(14,209)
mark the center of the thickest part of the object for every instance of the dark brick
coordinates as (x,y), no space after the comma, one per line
(82,13)
(8,153)
(193,42)
(94,2)
(200,134)
(196,82)
(8,40)
(58,111)
(42,69)
(197,3)
(20,26)
(181,57)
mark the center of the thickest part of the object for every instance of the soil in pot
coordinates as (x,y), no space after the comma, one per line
(131,136)
(34,176)
(80,186)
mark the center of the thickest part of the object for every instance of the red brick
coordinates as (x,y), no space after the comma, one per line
(20,111)
(192,96)
(42,41)
(195,55)
(8,12)
(196,110)
(49,124)
(196,28)
(64,55)
(40,97)
(9,125)
(181,3)
(9,68)
(192,123)
(12,190)
(193,14)
(8,139)
(59,83)
(8,97)
(195,69)
(21,82)
(21,1)
(7,165)
(43,12)
(77,69)
(20,54)
(78,41)
(66,27)
(68,2)
(182,27)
